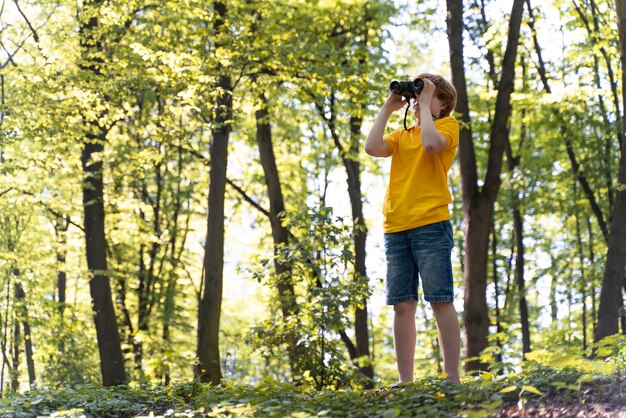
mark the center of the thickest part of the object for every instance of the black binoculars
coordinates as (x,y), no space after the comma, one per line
(408,89)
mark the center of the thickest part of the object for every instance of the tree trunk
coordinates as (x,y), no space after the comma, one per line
(475,313)
(208,367)
(583,275)
(478,205)
(592,261)
(22,312)
(61,225)
(111,359)
(15,357)
(518,226)
(519,278)
(280,234)
(5,335)
(496,288)
(611,302)
(353,170)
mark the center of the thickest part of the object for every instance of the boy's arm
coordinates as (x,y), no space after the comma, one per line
(432,140)
(375,145)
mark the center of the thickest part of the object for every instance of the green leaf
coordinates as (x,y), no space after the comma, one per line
(391,413)
(532,389)
(508,389)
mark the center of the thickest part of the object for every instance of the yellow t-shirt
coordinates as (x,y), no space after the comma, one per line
(418,191)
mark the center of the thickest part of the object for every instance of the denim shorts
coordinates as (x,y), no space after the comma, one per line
(424,252)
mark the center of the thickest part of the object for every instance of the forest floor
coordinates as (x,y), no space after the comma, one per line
(598,398)
(541,392)
(606,398)
(603,398)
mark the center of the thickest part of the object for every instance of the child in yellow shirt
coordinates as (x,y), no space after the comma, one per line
(418,232)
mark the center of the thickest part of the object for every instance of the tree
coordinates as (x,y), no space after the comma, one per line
(109,345)
(478,201)
(208,368)
(611,300)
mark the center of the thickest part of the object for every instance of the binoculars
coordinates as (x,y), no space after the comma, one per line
(408,89)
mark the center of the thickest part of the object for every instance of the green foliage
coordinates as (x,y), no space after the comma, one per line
(320,263)
(430,397)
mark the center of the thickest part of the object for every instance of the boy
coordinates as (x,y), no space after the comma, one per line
(418,233)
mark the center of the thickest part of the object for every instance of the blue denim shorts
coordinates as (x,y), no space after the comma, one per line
(423,252)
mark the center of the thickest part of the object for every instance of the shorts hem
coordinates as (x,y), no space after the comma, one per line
(400,299)
(438,298)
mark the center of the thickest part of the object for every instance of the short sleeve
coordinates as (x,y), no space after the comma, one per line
(392,140)
(448,127)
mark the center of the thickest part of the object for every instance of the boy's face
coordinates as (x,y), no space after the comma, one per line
(436,107)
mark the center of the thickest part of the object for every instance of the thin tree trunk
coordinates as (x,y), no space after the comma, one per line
(496,287)
(583,276)
(286,293)
(611,300)
(5,335)
(519,276)
(353,170)
(554,310)
(111,359)
(20,297)
(592,261)
(207,368)
(61,225)
(478,205)
(15,356)
(518,227)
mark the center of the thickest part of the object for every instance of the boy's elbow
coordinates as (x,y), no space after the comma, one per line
(438,144)
(376,151)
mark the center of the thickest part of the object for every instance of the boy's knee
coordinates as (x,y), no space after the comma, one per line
(441,306)
(405,308)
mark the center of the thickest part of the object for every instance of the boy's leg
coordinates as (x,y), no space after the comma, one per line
(404,338)
(449,338)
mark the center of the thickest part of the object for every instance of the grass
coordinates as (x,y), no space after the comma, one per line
(479,396)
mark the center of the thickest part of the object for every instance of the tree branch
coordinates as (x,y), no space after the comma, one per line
(32,29)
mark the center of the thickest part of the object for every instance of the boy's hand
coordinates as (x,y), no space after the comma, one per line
(426,96)
(395,102)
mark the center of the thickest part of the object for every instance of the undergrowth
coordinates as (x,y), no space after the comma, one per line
(546,377)
(432,397)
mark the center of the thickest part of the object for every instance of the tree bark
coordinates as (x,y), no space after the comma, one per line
(611,302)
(518,227)
(15,357)
(518,224)
(478,204)
(280,234)
(61,225)
(207,368)
(111,359)
(496,288)
(20,298)
(583,275)
(353,170)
